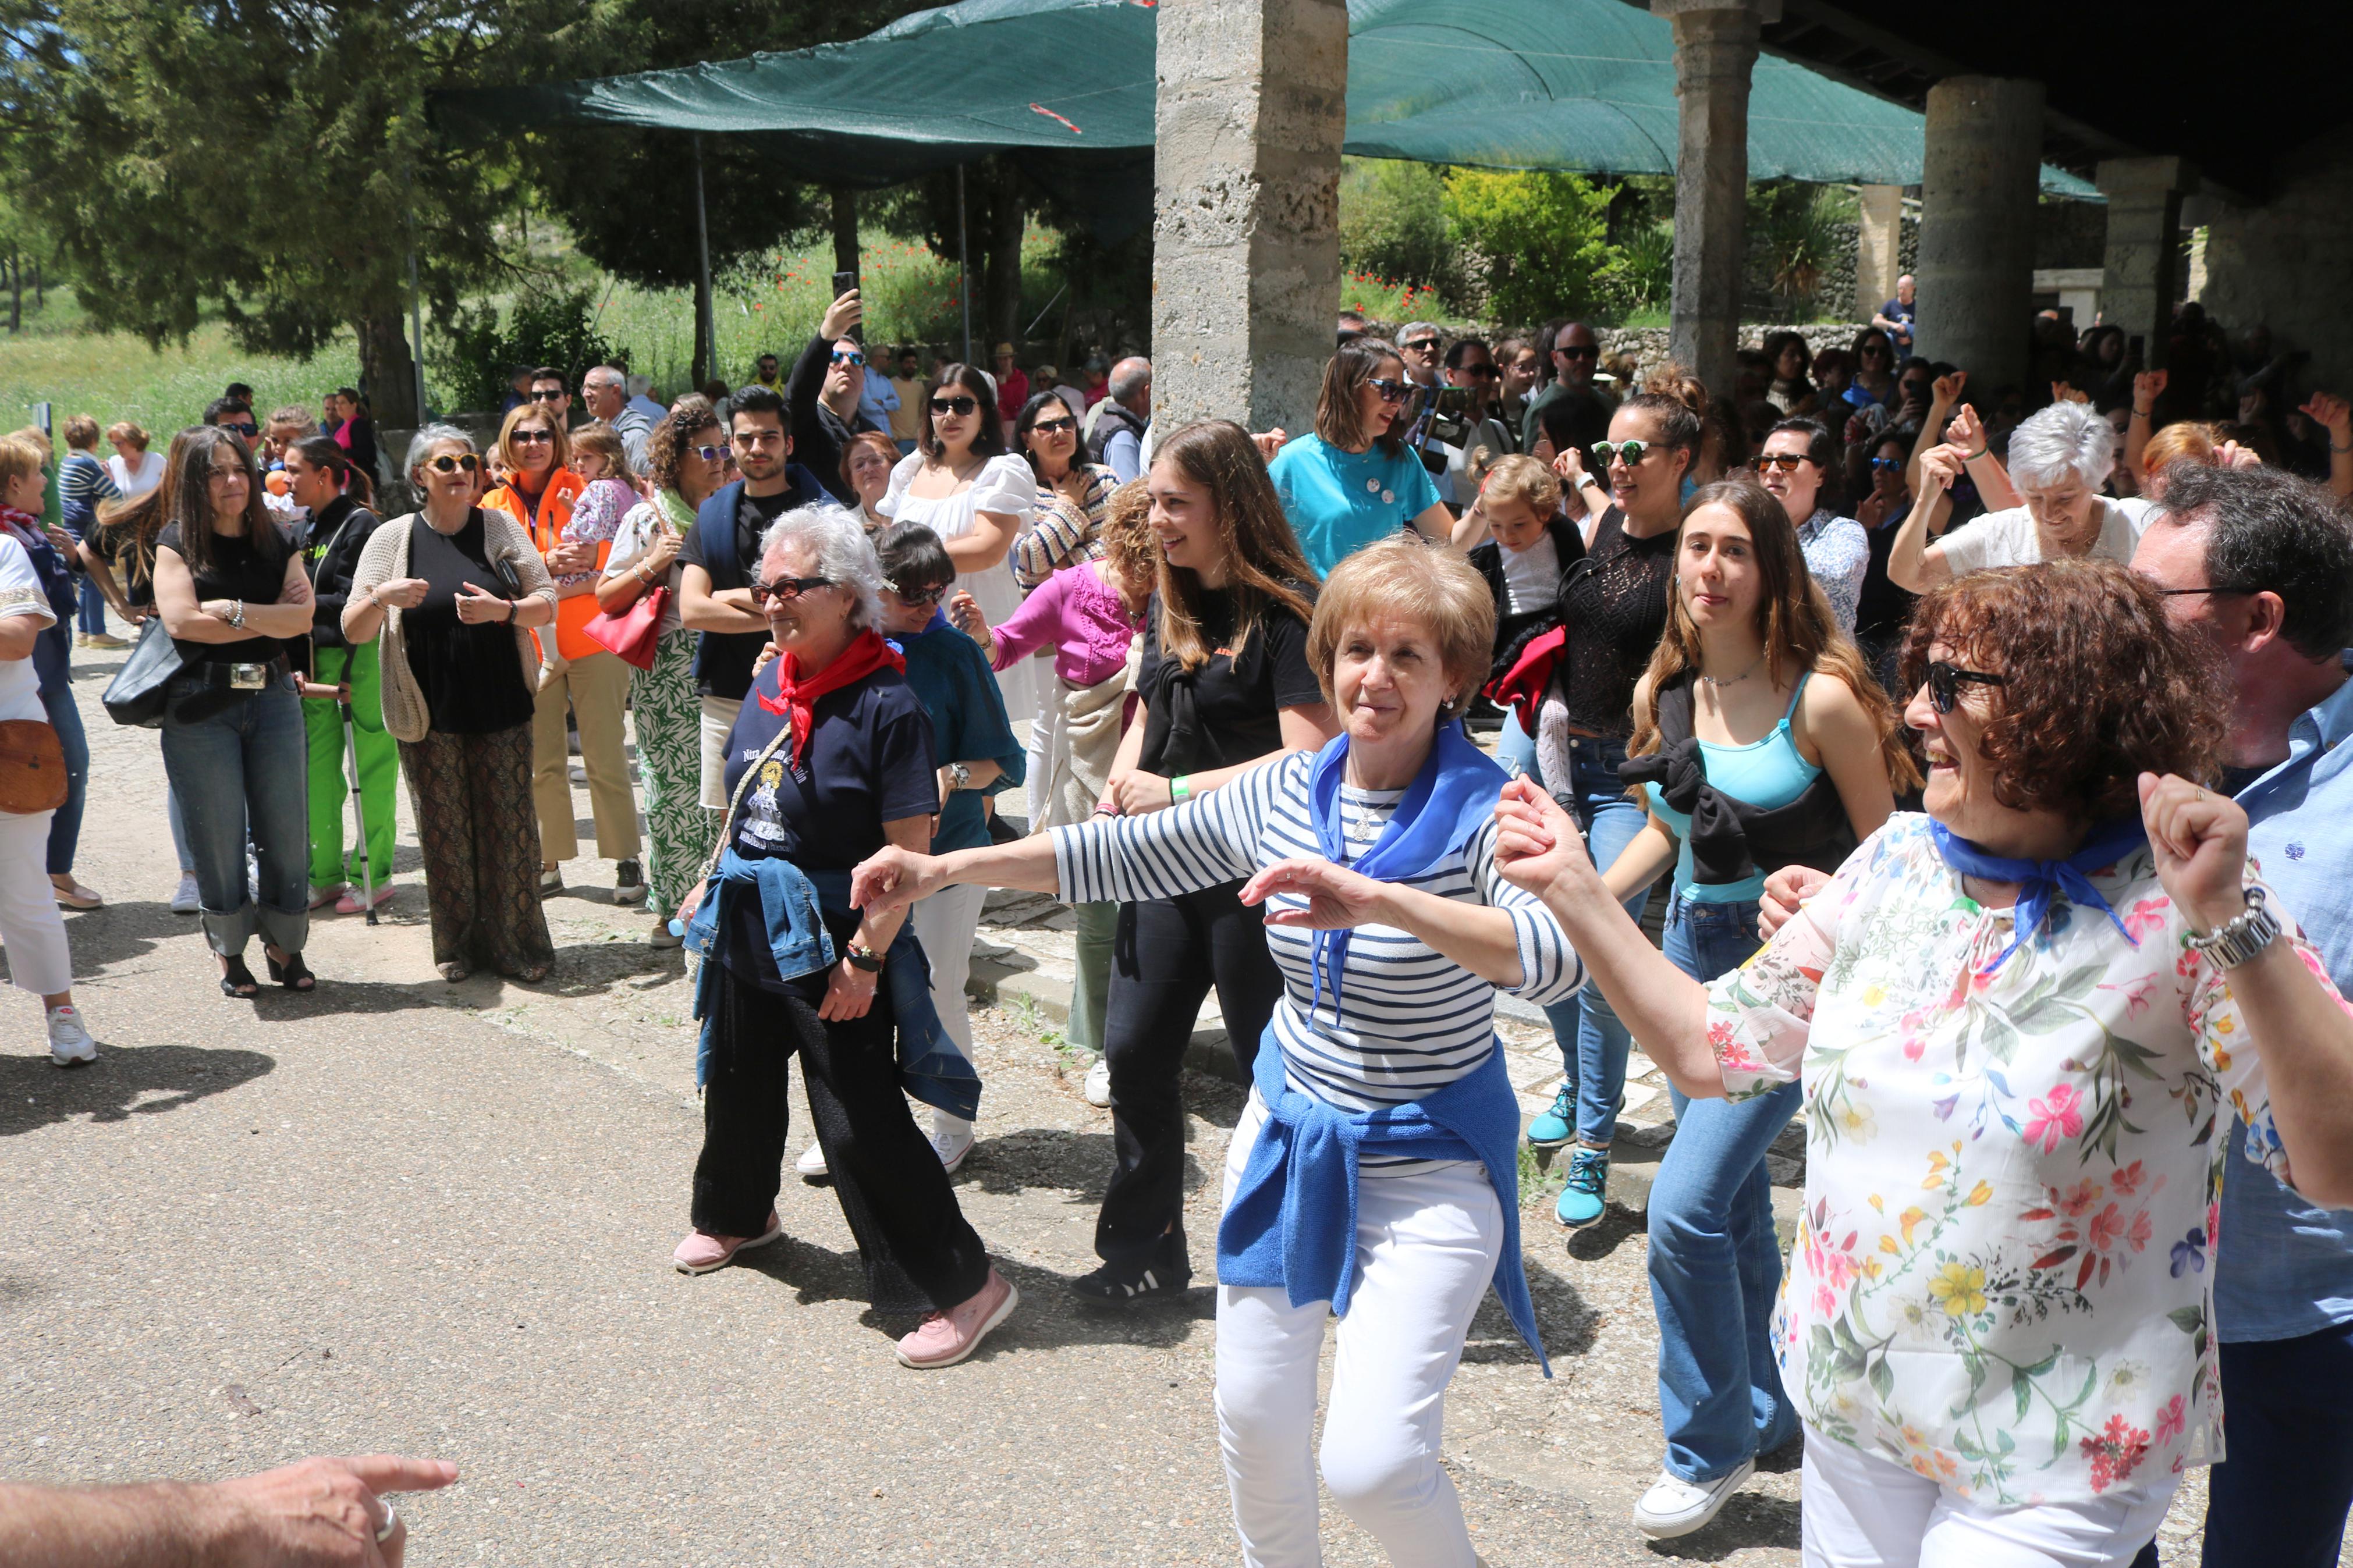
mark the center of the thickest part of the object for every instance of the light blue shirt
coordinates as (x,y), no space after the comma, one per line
(2285,1268)
(1123,456)
(1338,502)
(878,402)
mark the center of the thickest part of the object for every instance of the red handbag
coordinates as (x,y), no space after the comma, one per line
(635,632)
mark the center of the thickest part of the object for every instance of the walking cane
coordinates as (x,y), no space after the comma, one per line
(359,810)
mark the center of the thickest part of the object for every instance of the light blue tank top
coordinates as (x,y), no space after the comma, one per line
(1765,773)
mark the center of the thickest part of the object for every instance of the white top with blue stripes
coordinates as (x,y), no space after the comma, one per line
(1408,1020)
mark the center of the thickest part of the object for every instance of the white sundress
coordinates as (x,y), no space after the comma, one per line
(1004,484)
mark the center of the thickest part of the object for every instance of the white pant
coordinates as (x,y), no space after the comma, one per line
(944,923)
(1863,1511)
(30,926)
(1426,1251)
(1046,746)
(718,721)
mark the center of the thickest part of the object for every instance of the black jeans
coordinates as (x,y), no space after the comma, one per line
(1167,953)
(919,1251)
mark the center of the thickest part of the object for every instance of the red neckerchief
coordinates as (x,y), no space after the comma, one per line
(25,526)
(795,698)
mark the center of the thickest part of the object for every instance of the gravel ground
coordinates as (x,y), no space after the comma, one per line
(407,1216)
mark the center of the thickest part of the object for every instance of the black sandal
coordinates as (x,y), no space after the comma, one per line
(237,981)
(294,974)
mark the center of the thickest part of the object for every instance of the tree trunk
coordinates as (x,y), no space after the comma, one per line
(38,301)
(703,370)
(387,367)
(16,293)
(1006,215)
(845,230)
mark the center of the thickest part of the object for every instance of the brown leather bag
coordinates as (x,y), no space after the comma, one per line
(32,767)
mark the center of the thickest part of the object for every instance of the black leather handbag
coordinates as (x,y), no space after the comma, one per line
(139,692)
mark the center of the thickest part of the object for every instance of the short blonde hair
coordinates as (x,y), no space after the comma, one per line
(605,441)
(1425,584)
(503,449)
(20,456)
(1516,476)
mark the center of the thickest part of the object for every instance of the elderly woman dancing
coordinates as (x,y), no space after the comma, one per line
(2024,1023)
(830,759)
(1393,931)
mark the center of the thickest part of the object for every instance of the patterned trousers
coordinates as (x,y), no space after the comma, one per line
(479,835)
(680,828)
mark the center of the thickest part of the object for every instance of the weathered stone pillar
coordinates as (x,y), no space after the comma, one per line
(1978,189)
(1878,247)
(2142,267)
(1246,264)
(1716,49)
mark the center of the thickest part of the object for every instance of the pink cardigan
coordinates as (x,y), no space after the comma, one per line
(1081,615)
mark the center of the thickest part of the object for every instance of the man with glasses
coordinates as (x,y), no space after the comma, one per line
(548,390)
(1469,365)
(1576,355)
(1420,343)
(824,396)
(767,374)
(604,391)
(719,560)
(1117,440)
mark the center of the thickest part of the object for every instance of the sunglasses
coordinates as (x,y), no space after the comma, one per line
(1053,427)
(916,598)
(1886,465)
(1945,681)
(2218,588)
(852,357)
(1390,391)
(1478,371)
(959,406)
(1786,462)
(1882,350)
(556,396)
(709,454)
(247,431)
(445,464)
(532,437)
(1420,346)
(1627,452)
(1587,351)
(786,588)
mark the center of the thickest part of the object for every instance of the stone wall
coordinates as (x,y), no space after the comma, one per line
(2284,263)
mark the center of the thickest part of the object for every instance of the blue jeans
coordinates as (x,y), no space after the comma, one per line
(1515,749)
(1715,1263)
(246,771)
(65,827)
(91,616)
(1593,1042)
(2279,1499)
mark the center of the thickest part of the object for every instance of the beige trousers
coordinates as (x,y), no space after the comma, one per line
(596,688)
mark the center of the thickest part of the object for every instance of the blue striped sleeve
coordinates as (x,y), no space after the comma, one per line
(1550,970)
(1181,849)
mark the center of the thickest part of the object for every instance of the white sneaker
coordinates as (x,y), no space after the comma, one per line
(69,1043)
(1675,1507)
(811,1164)
(1098,1090)
(188,900)
(951,1141)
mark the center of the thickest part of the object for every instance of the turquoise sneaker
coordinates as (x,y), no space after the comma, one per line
(1556,1126)
(1582,1201)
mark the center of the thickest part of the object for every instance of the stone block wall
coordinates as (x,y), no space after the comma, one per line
(2284,263)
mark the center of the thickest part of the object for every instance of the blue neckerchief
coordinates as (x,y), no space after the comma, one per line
(2040,881)
(1290,1222)
(1451,799)
(938,622)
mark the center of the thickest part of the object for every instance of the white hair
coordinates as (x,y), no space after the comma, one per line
(421,445)
(844,554)
(2063,440)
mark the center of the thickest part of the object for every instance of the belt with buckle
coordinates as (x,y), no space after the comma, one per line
(214,676)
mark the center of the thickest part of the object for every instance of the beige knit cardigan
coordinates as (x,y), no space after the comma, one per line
(385,559)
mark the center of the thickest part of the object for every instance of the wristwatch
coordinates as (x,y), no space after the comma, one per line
(862,957)
(2241,937)
(959,776)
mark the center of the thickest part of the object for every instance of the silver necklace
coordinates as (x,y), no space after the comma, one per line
(1733,679)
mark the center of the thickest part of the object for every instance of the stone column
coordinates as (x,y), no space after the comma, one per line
(1978,187)
(1252,106)
(1716,49)
(2142,267)
(1878,247)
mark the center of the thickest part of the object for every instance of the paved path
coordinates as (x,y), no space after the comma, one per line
(403,1214)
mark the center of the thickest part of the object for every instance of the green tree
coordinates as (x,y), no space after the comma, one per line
(268,159)
(1545,237)
(1393,222)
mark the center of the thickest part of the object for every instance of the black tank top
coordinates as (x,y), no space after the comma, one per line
(1613,605)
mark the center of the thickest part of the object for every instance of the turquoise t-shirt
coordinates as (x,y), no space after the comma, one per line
(1338,502)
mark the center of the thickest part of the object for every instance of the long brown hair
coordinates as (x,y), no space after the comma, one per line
(145,514)
(1339,418)
(1793,619)
(1262,557)
(192,502)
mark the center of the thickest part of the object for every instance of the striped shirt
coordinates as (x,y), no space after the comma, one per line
(82,483)
(1408,1020)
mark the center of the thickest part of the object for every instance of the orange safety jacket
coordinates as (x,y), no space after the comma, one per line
(546,530)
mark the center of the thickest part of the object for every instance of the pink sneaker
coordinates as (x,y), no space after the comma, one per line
(946,1338)
(702,1252)
(350,904)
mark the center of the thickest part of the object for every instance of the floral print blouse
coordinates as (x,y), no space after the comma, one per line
(2003,1275)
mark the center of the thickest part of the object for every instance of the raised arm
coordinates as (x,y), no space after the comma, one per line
(1913,563)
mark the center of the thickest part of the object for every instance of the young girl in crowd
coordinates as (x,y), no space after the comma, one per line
(1531,547)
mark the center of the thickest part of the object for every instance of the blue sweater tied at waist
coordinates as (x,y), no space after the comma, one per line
(791,901)
(1291,1221)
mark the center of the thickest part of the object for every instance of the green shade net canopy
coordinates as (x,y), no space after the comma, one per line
(1066,88)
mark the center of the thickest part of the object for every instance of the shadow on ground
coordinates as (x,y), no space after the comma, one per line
(126,1081)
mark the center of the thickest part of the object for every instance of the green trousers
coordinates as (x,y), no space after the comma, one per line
(331,787)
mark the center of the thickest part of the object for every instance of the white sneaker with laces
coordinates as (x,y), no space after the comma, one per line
(1674,1507)
(188,900)
(951,1141)
(811,1164)
(1098,1088)
(69,1043)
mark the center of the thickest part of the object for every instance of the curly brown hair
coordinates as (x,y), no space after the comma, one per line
(2097,688)
(666,447)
